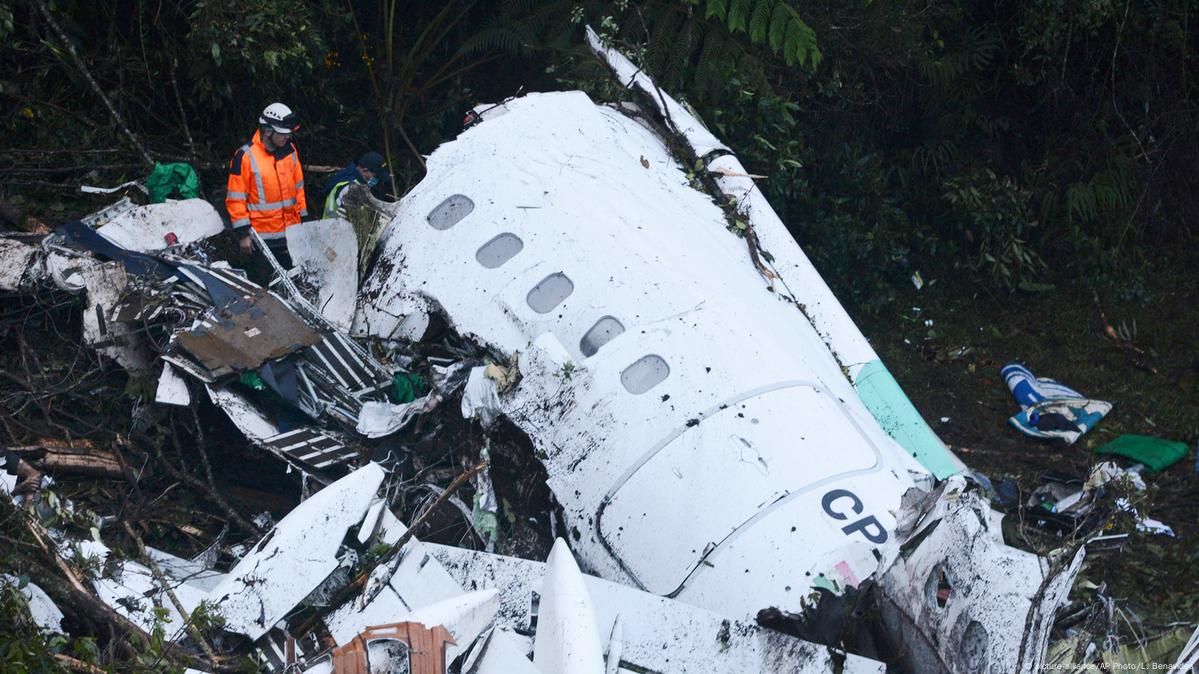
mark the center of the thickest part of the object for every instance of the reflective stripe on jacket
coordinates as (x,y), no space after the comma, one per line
(266,190)
(331,200)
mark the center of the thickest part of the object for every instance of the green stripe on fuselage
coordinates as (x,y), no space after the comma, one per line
(898,417)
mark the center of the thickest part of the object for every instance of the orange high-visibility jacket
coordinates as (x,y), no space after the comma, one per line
(266,189)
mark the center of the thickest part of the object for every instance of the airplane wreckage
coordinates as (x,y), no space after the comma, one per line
(722,442)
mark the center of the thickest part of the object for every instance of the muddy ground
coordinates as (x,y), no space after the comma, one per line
(950,370)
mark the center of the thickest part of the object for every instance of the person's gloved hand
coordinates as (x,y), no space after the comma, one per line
(246,245)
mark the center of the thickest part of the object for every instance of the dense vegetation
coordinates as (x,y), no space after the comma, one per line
(1019,140)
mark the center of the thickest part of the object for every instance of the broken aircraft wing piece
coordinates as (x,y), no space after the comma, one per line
(296,556)
(657,633)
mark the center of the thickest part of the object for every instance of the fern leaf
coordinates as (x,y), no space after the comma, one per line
(738,15)
(717,9)
(778,26)
(759,21)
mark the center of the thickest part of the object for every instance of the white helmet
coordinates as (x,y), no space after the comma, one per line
(280,118)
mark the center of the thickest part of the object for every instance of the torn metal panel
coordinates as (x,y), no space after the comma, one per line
(107,287)
(83,238)
(296,556)
(131,590)
(44,612)
(245,415)
(67,271)
(308,448)
(326,254)
(311,447)
(418,581)
(109,212)
(501,652)
(958,598)
(347,366)
(172,389)
(145,228)
(245,334)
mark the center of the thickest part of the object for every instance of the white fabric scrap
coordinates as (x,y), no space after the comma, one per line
(379,419)
(1145,525)
(1108,471)
(481,397)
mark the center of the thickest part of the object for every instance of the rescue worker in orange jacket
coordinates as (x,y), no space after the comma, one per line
(266,183)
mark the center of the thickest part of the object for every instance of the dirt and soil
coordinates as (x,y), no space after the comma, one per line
(950,370)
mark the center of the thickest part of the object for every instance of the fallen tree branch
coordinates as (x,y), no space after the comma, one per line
(76,594)
(77,665)
(72,460)
(166,587)
(392,558)
(209,491)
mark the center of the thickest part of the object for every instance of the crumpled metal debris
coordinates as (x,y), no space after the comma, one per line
(948,572)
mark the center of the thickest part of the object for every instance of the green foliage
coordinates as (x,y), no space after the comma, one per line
(1106,192)
(269,47)
(773,22)
(991,213)
(24,647)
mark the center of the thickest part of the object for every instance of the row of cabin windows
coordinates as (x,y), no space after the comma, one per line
(644,374)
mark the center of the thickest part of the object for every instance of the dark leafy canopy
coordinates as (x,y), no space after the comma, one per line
(1011,139)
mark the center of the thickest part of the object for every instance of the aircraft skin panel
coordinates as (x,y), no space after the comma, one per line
(596,198)
(899,418)
(799,278)
(750,440)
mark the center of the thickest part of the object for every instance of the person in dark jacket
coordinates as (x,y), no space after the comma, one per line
(369,170)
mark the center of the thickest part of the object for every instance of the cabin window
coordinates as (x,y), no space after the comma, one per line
(604,330)
(646,373)
(449,212)
(389,656)
(550,292)
(499,250)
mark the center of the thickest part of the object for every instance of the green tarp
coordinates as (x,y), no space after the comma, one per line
(1155,453)
(172,180)
(408,387)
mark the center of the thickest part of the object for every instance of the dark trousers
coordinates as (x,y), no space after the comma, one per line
(259,269)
